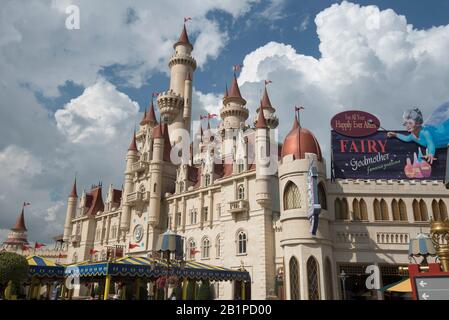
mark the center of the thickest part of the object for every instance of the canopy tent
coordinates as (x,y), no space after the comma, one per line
(147,267)
(41,267)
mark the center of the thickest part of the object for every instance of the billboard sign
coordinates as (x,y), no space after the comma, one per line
(419,152)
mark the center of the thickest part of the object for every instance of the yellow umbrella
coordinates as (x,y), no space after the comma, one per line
(403,286)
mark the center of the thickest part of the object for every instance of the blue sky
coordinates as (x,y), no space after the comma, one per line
(71,98)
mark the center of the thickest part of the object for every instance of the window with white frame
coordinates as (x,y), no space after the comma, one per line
(207,180)
(218,247)
(205,214)
(191,249)
(241,242)
(241,192)
(205,248)
(178,219)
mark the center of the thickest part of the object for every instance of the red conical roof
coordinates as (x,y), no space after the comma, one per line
(266,99)
(261,122)
(143,121)
(157,131)
(133,145)
(235,90)
(20,223)
(151,116)
(183,38)
(167,144)
(73,194)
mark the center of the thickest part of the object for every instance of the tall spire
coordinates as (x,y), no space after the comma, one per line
(235,90)
(133,145)
(183,38)
(151,116)
(261,122)
(20,223)
(143,121)
(226,91)
(266,99)
(157,131)
(73,194)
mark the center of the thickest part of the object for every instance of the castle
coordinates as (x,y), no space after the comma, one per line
(234,207)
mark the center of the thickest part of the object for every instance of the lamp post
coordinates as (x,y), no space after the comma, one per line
(439,231)
(343,276)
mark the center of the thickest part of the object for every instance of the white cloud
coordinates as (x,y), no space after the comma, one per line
(97,115)
(18,165)
(53,210)
(370,59)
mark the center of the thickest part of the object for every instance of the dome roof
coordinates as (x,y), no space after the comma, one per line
(300,141)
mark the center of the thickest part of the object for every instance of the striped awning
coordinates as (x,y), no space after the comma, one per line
(42,267)
(130,266)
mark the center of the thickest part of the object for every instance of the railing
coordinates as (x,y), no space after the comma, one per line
(392,238)
(352,237)
(134,197)
(238,206)
(138,166)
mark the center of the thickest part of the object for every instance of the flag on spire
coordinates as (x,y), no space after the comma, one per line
(154,94)
(26,204)
(38,245)
(187,19)
(237,67)
(268,81)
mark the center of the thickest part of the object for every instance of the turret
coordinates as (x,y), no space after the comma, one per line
(17,237)
(131,158)
(263,158)
(272,120)
(70,214)
(161,142)
(173,101)
(187,102)
(234,113)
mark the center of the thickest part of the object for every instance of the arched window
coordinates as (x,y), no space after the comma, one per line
(395,210)
(241,242)
(294,278)
(416,213)
(328,275)
(402,210)
(241,192)
(384,210)
(376,207)
(443,210)
(356,210)
(363,210)
(205,248)
(423,210)
(291,196)
(207,180)
(154,187)
(341,209)
(218,247)
(191,250)
(313,279)
(435,210)
(322,196)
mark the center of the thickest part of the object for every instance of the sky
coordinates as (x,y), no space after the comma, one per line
(70,99)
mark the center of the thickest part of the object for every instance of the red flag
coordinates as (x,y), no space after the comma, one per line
(211,115)
(203,117)
(268,81)
(25,247)
(154,94)
(237,67)
(132,245)
(187,19)
(26,204)
(93,251)
(38,245)
(298,108)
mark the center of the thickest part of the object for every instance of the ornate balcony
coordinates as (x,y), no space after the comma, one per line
(138,166)
(75,238)
(238,206)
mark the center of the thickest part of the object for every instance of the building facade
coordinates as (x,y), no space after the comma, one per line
(232,208)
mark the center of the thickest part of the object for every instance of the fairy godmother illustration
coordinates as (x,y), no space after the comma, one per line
(432,134)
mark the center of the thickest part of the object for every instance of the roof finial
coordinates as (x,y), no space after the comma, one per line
(297,114)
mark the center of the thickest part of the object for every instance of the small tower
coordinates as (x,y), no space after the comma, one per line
(18,234)
(233,113)
(263,159)
(131,157)
(71,212)
(269,112)
(161,153)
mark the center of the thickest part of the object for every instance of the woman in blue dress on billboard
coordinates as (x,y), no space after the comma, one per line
(432,135)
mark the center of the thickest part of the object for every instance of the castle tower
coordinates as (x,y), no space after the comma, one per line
(301,168)
(233,113)
(269,112)
(18,234)
(131,158)
(175,104)
(70,214)
(263,158)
